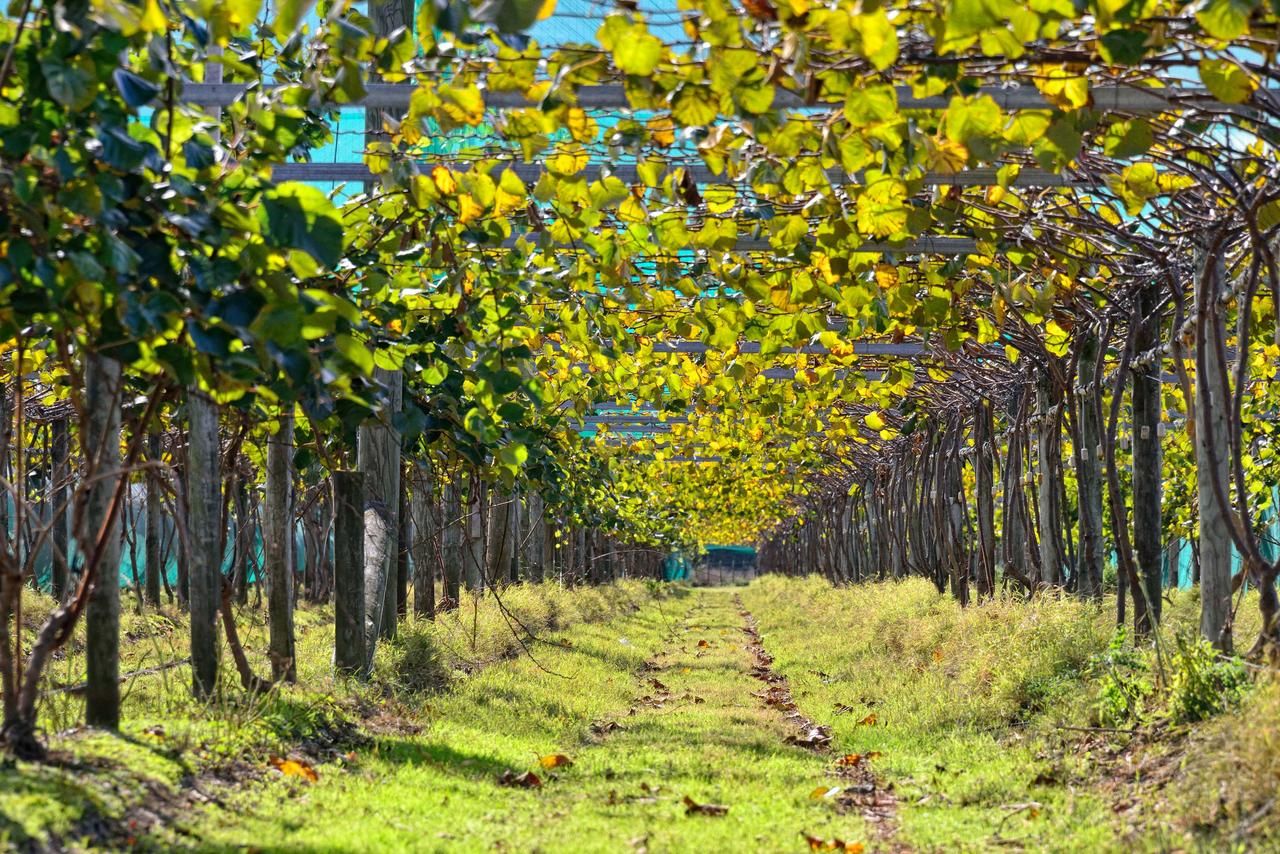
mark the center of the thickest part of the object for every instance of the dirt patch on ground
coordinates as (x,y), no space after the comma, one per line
(858,789)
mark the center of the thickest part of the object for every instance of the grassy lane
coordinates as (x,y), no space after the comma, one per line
(674,678)
(955,704)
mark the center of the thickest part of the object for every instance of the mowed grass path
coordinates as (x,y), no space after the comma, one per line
(674,678)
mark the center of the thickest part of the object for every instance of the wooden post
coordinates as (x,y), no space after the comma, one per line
(984,476)
(155,524)
(278,550)
(1212,455)
(60,530)
(403,542)
(1048,461)
(501,537)
(1089,467)
(473,547)
(451,546)
(378,459)
(101,445)
(536,525)
(514,543)
(1147,480)
(425,534)
(204,520)
(348,573)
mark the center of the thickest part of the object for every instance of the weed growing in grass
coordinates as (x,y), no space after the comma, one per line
(1124,685)
(1196,683)
(1203,683)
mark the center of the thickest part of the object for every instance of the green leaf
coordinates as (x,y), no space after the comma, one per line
(355,352)
(1228,82)
(879,38)
(694,105)
(1123,47)
(136,91)
(512,457)
(1128,139)
(1226,19)
(300,216)
(289,15)
(638,55)
(513,16)
(871,104)
(71,82)
(882,208)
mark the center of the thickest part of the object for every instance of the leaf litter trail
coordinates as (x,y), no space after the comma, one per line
(858,787)
(656,741)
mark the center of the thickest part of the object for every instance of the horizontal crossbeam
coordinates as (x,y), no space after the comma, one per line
(1124,99)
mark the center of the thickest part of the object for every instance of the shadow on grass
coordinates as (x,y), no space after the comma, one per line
(440,756)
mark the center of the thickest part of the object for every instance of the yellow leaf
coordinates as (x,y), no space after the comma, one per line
(153,18)
(886,276)
(1064,89)
(547,10)
(293,768)
(882,208)
(469,209)
(662,130)
(874,420)
(554,760)
(947,156)
(444,180)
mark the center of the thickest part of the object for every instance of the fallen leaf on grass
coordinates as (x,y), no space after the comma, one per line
(818,736)
(554,760)
(817,843)
(294,768)
(869,720)
(822,792)
(852,760)
(605,727)
(527,780)
(658,686)
(702,644)
(692,807)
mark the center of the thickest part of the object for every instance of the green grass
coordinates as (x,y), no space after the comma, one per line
(95,783)
(981,716)
(438,790)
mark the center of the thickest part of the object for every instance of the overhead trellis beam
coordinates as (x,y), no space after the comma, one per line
(918,246)
(634,418)
(860,348)
(1124,99)
(982,176)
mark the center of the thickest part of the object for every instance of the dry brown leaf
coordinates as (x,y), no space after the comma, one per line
(554,760)
(816,843)
(850,760)
(692,807)
(869,720)
(702,644)
(527,780)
